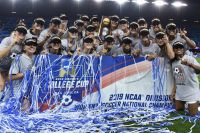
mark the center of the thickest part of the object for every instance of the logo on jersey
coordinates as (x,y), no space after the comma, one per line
(179,75)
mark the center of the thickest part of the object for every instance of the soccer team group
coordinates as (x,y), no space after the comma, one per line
(111,36)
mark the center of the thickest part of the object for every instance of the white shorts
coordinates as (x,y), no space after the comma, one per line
(191,102)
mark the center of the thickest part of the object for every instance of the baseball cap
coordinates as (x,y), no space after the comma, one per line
(160,35)
(134,25)
(73,29)
(171,26)
(30,41)
(90,28)
(94,19)
(178,44)
(56,21)
(63,17)
(114,18)
(123,21)
(155,21)
(39,21)
(126,40)
(79,22)
(141,21)
(87,39)
(85,18)
(55,39)
(144,32)
(109,38)
(21,29)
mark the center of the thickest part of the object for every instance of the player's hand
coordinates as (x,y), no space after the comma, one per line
(151,57)
(48,35)
(15,40)
(114,55)
(165,40)
(78,50)
(183,33)
(136,53)
(70,45)
(104,51)
(127,33)
(186,62)
(61,32)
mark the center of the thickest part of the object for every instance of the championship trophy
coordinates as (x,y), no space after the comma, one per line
(104,27)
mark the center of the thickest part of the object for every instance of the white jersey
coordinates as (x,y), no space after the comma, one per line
(187,84)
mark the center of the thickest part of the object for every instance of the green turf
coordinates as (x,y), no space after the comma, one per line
(182,126)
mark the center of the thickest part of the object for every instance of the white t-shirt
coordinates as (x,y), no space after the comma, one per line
(20,64)
(5,62)
(151,49)
(187,84)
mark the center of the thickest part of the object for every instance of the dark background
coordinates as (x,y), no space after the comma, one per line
(47,8)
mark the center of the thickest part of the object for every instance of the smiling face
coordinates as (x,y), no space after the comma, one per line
(55,45)
(145,41)
(159,42)
(108,45)
(126,48)
(38,27)
(73,35)
(30,49)
(123,26)
(88,45)
(134,31)
(54,28)
(171,31)
(159,39)
(156,27)
(114,24)
(179,51)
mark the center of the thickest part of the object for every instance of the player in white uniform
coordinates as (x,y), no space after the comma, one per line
(186,89)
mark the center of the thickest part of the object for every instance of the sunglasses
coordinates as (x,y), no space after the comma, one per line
(31,44)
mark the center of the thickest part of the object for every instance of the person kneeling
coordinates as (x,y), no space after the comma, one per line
(186,89)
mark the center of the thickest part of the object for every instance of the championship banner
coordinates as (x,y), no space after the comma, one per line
(88,82)
(136,83)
